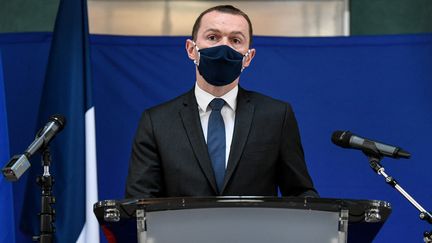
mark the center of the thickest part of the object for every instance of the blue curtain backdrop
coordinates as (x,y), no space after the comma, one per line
(379,87)
(7,224)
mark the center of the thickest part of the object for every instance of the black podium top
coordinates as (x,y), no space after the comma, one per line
(366,217)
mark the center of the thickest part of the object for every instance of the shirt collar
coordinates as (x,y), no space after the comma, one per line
(204,98)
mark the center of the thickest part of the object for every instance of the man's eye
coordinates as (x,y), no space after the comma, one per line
(211,37)
(236,41)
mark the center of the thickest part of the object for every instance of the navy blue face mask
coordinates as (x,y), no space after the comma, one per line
(220,65)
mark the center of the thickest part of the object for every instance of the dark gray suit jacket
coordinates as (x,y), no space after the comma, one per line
(170,159)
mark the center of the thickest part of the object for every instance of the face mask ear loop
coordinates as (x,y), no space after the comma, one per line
(245,55)
(199,55)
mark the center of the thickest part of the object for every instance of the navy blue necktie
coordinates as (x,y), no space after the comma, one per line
(216,140)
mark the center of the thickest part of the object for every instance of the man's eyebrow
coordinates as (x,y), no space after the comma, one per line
(232,33)
(238,33)
(212,30)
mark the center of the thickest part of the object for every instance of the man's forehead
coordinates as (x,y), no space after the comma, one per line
(222,22)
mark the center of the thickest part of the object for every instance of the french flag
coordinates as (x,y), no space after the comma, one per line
(68,91)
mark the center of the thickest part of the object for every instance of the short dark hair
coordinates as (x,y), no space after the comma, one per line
(223,9)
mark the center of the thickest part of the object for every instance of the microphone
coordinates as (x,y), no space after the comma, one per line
(18,164)
(346,139)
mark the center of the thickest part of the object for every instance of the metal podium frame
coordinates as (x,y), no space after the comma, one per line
(241,219)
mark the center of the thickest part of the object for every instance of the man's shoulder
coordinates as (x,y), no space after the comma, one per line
(172,105)
(188,98)
(260,99)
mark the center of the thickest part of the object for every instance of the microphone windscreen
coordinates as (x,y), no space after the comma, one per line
(342,138)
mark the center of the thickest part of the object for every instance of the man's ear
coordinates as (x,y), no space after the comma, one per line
(191,50)
(249,58)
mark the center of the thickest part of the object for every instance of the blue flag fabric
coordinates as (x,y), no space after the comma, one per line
(67,91)
(7,232)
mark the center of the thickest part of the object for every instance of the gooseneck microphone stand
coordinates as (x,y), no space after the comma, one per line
(47,213)
(375,162)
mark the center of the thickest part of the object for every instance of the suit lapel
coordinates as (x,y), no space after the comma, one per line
(243,121)
(192,124)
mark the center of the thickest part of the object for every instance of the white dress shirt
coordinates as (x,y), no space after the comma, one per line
(228,113)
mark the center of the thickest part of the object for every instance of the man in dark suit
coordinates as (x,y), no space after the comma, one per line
(219,139)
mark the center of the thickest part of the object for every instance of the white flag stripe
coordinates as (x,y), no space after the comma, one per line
(90,231)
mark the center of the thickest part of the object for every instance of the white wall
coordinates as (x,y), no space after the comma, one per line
(276,18)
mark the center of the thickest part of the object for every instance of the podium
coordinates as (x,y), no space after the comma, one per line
(241,219)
